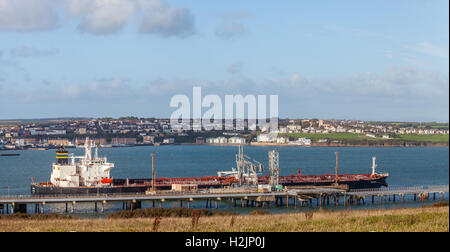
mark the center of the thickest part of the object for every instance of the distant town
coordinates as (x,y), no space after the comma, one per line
(133,131)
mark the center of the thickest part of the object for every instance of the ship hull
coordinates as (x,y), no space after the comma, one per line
(354,184)
(53,190)
(37,189)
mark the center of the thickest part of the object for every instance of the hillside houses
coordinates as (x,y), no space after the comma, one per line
(130,131)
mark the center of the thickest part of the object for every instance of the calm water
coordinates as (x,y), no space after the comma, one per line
(406,166)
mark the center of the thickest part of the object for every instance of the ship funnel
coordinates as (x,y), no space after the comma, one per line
(62,156)
(374,165)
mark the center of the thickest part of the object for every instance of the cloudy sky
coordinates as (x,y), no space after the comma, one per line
(369,60)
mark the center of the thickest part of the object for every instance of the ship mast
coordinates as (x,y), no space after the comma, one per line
(336,179)
(153,172)
(87,149)
(374,166)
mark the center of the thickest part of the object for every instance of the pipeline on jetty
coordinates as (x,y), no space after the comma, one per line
(301,197)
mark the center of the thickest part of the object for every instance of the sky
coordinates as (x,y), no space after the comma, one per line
(368,60)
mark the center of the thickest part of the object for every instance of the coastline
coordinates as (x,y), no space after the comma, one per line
(322,145)
(406,145)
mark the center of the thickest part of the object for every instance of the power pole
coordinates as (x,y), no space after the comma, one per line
(153,172)
(336,181)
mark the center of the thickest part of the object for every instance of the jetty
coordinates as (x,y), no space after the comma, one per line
(298,197)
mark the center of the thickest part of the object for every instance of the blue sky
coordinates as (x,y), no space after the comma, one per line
(369,60)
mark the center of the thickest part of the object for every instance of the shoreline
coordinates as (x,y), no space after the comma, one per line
(264,145)
(318,145)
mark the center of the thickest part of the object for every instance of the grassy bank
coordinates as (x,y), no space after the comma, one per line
(409,220)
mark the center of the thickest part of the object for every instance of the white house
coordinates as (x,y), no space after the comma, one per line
(267,138)
(236,140)
(283,140)
(303,141)
(169,141)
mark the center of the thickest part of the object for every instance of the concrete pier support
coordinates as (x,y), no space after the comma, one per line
(37,208)
(135,204)
(20,208)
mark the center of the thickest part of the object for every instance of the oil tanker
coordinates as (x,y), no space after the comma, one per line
(90,174)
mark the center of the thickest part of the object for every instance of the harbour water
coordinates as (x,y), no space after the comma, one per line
(406,166)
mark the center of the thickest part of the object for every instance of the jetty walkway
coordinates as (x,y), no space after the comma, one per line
(300,197)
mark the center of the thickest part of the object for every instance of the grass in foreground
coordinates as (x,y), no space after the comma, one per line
(398,220)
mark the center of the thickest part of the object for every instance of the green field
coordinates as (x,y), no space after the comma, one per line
(331,136)
(360,138)
(425,138)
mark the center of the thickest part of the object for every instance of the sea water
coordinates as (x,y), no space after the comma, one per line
(406,166)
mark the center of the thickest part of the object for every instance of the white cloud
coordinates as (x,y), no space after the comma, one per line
(231,25)
(102,16)
(236,67)
(398,93)
(160,18)
(230,30)
(97,17)
(431,50)
(28,52)
(26,15)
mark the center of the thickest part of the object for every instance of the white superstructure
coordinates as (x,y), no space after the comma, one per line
(76,171)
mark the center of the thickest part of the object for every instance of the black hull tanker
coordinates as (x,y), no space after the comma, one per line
(90,176)
(43,189)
